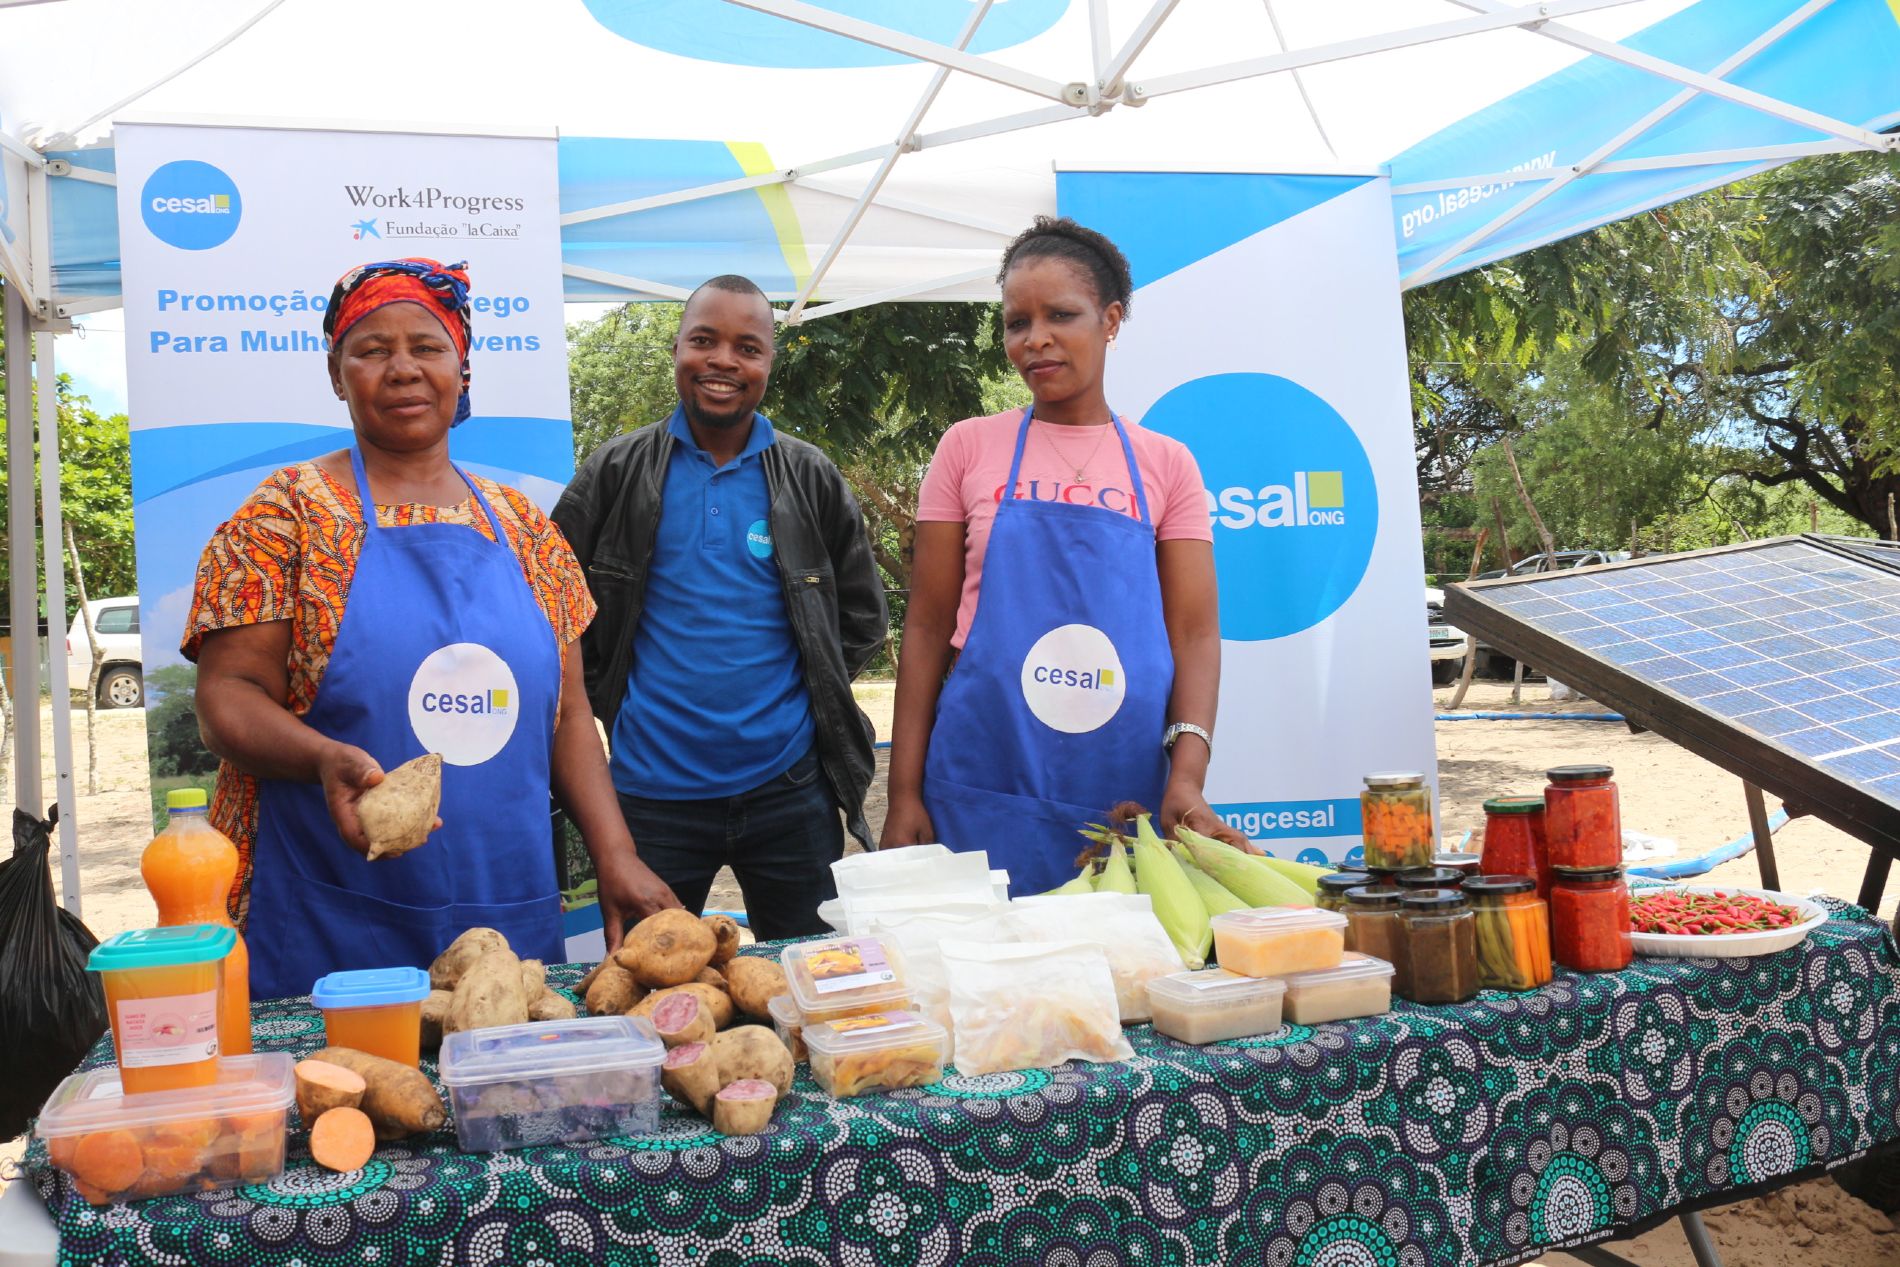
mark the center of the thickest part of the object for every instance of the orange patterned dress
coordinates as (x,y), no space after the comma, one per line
(289,553)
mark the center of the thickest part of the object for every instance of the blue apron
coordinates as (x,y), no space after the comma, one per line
(1056,707)
(442,648)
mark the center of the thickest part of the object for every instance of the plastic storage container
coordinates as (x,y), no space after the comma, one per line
(880,1051)
(553,1081)
(1590,919)
(376,1010)
(1513,930)
(1441,947)
(847,976)
(1332,889)
(1396,812)
(1360,986)
(1582,819)
(1515,841)
(1272,941)
(164,995)
(120,1147)
(188,869)
(1213,1005)
(788,1024)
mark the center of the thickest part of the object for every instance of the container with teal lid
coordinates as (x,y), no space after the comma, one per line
(377,1010)
(164,990)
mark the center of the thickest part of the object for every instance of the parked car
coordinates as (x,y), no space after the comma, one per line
(122,674)
(1449,643)
(1496,663)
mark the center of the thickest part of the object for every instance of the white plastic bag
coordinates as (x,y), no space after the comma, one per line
(1031,1005)
(1122,924)
(919,937)
(913,869)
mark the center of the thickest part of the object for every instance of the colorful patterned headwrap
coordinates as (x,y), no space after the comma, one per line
(441,288)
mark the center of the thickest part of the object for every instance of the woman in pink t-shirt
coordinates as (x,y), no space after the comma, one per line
(1064,565)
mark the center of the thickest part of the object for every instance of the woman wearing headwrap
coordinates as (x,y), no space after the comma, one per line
(376,604)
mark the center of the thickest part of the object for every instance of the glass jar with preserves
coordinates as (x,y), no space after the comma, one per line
(1590,919)
(1514,841)
(1465,864)
(1372,922)
(1582,823)
(1396,821)
(1441,947)
(1332,889)
(1513,931)
(1430,878)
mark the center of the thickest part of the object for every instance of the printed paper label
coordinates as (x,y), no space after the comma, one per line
(849,965)
(877,1020)
(177,1030)
(1211,979)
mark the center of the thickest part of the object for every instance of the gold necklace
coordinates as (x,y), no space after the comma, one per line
(1048,434)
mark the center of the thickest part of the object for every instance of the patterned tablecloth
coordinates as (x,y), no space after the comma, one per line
(1480,1133)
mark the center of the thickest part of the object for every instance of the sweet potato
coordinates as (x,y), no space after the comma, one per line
(715,1002)
(176,1153)
(613,992)
(753,983)
(399,813)
(753,1051)
(691,1076)
(551,1006)
(342,1140)
(108,1161)
(435,1015)
(489,993)
(587,981)
(534,978)
(744,1107)
(725,931)
(711,976)
(681,1018)
(398,1099)
(462,954)
(322,1086)
(667,948)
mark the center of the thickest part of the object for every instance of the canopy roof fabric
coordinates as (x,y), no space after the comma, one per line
(845,152)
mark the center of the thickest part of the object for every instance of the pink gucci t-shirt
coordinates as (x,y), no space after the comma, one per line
(966,478)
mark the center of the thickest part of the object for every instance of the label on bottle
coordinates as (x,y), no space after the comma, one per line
(180,1029)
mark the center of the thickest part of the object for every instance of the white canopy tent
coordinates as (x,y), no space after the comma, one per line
(851,152)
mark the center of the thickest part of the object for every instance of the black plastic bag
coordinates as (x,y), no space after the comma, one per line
(51,1009)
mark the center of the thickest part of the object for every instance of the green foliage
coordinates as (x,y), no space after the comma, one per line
(620,372)
(171,725)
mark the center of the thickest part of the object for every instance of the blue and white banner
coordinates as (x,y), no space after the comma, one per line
(1265,334)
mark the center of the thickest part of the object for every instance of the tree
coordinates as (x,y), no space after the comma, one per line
(620,372)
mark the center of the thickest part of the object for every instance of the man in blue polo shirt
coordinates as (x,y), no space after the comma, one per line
(738,599)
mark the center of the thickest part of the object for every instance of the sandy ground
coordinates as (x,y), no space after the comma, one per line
(1665,791)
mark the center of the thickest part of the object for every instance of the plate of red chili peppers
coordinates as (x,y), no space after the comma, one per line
(1719,922)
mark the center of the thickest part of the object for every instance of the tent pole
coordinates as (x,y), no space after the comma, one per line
(23,554)
(52,515)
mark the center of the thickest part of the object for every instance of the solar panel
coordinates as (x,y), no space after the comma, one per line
(1777,660)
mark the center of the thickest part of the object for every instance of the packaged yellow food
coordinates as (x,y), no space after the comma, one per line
(846,976)
(879,1052)
(1213,1005)
(1359,986)
(1031,1005)
(788,1024)
(1273,941)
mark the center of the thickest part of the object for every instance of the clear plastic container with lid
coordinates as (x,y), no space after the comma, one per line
(1396,821)
(164,996)
(1332,889)
(1271,941)
(1213,1005)
(551,1082)
(1360,986)
(1582,820)
(879,1051)
(846,976)
(377,1010)
(120,1147)
(788,1024)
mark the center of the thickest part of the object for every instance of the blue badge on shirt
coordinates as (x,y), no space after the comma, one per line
(758,539)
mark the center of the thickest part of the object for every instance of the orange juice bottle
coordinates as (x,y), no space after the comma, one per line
(188,869)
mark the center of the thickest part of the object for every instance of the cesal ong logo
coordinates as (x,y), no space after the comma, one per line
(758,539)
(462,703)
(714,31)
(1290,495)
(191,205)
(1072,679)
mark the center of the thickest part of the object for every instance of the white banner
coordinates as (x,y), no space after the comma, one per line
(1265,333)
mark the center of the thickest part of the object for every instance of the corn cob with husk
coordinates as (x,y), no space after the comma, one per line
(1246,876)
(1216,899)
(1179,908)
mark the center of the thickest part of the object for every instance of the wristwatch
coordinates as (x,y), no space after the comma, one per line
(1180,728)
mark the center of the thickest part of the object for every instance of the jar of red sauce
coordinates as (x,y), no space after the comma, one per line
(1582,823)
(1514,842)
(1590,919)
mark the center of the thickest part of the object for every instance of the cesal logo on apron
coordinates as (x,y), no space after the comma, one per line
(1073,680)
(462,703)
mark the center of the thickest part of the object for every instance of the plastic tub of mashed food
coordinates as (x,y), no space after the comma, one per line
(164,990)
(847,976)
(120,1147)
(788,1024)
(1213,1005)
(552,1082)
(375,1010)
(881,1051)
(1271,941)
(1359,986)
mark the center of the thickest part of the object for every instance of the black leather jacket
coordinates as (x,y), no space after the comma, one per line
(833,591)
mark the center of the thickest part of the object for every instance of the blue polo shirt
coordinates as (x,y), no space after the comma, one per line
(716,700)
